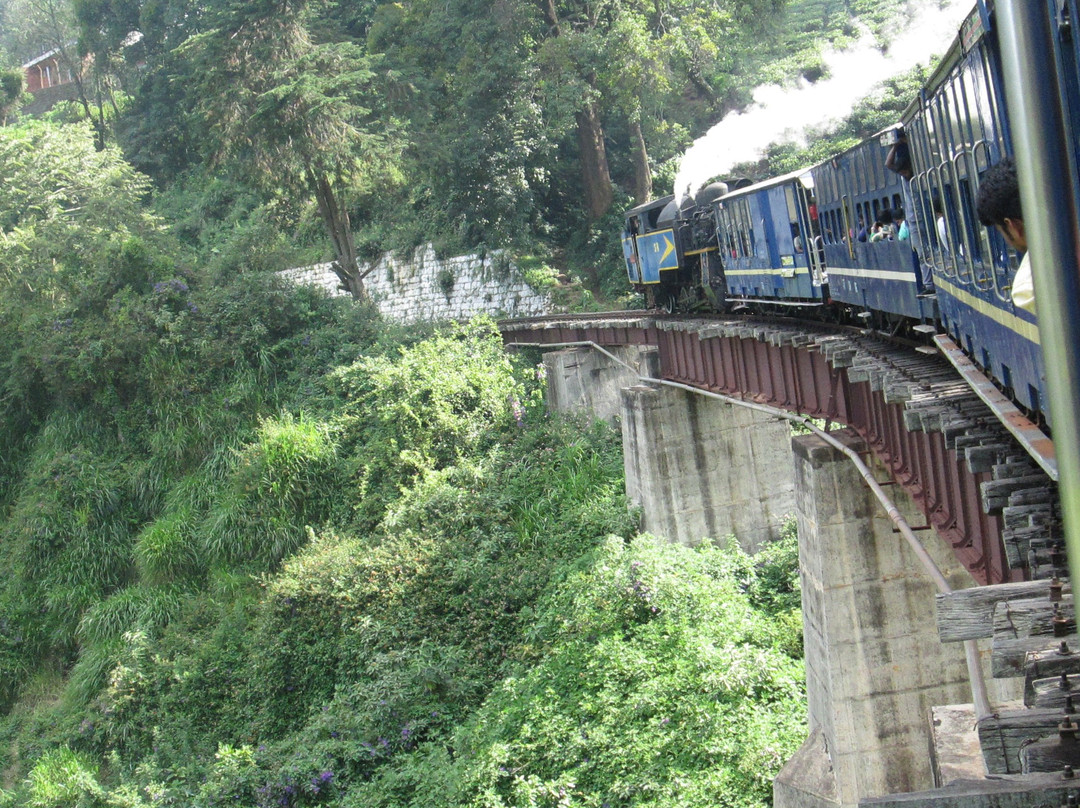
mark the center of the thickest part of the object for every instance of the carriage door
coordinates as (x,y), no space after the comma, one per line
(798,203)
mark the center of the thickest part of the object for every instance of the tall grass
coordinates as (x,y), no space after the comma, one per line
(279,483)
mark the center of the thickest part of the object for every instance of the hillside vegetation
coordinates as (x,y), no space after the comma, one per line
(263,549)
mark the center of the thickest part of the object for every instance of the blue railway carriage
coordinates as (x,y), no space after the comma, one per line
(767,244)
(957,129)
(853,191)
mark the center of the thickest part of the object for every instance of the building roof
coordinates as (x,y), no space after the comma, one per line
(41,58)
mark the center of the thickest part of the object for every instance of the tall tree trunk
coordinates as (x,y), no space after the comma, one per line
(97,121)
(642,174)
(595,176)
(338,227)
(594,165)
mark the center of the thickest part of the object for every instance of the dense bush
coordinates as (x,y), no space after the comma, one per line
(433,403)
(659,684)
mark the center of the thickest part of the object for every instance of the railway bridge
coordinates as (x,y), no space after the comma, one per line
(938,634)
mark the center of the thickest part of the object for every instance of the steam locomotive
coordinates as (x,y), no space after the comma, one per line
(797,242)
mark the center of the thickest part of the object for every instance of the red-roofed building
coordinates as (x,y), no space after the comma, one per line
(49,80)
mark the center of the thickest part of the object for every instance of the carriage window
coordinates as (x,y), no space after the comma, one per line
(849,224)
(749,233)
(799,239)
(727,239)
(740,233)
(967,203)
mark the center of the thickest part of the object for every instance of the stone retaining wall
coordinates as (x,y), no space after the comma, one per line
(428,288)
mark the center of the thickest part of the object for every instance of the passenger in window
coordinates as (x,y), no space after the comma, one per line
(796,239)
(998,205)
(862,235)
(877,232)
(903,232)
(886,219)
(942,229)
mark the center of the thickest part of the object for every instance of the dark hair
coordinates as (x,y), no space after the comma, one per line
(999,195)
(898,214)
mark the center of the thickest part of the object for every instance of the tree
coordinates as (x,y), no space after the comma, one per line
(637,62)
(11,90)
(302,117)
(479,152)
(66,209)
(595,176)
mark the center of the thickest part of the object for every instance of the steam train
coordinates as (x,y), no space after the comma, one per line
(795,242)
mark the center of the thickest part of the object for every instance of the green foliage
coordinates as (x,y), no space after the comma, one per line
(166,550)
(68,210)
(445,281)
(658,686)
(63,779)
(232,776)
(477,619)
(434,403)
(537,271)
(147,608)
(263,548)
(281,482)
(11,90)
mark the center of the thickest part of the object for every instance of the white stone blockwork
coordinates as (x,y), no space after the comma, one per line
(428,288)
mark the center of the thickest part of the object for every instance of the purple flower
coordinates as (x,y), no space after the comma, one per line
(326,776)
(175,285)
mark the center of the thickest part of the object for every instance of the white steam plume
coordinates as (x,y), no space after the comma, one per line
(783,115)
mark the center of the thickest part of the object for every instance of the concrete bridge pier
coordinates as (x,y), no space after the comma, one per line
(585,379)
(701,468)
(874,664)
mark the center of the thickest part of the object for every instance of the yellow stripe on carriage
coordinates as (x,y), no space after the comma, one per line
(1029,331)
